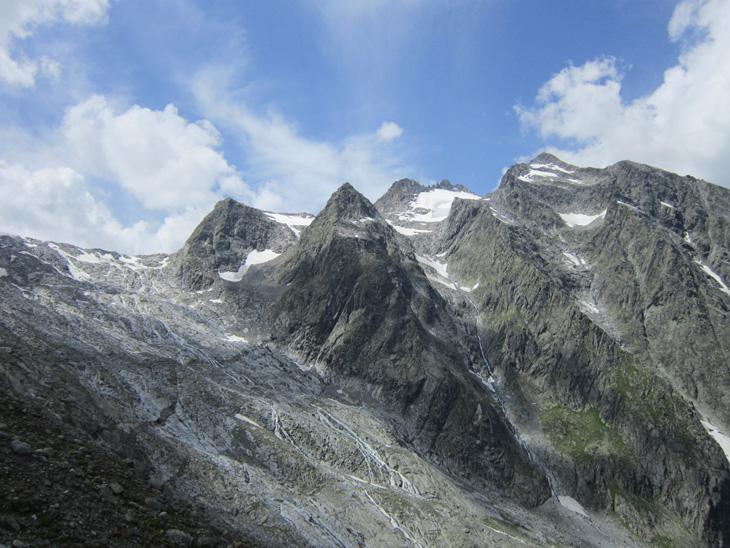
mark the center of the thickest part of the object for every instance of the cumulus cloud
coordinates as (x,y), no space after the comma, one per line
(683,125)
(53,203)
(57,204)
(168,164)
(163,160)
(389,131)
(19,19)
(295,173)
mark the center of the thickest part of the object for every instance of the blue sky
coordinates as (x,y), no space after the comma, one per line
(122,122)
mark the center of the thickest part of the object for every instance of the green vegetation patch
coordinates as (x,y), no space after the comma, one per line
(581,433)
(663,542)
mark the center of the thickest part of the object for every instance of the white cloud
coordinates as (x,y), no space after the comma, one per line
(683,125)
(19,19)
(56,204)
(295,173)
(389,131)
(166,163)
(50,203)
(163,160)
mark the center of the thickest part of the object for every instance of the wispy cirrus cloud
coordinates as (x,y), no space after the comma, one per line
(683,125)
(290,171)
(18,21)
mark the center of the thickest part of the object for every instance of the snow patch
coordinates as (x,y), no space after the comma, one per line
(540,173)
(573,505)
(217,301)
(588,307)
(722,439)
(234,276)
(3,272)
(501,216)
(575,260)
(293,221)
(408,231)
(255,257)
(665,204)
(432,206)
(716,277)
(245,419)
(89,258)
(234,338)
(581,219)
(687,238)
(441,268)
(554,167)
(75,272)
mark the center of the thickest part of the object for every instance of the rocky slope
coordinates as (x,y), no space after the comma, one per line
(603,310)
(546,365)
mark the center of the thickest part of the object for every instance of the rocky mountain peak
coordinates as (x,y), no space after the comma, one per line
(224,239)
(546,158)
(445,184)
(406,185)
(347,204)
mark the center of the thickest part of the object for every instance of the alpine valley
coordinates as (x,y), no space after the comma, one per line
(548,365)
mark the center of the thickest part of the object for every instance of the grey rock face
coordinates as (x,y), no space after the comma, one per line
(223,240)
(360,310)
(601,313)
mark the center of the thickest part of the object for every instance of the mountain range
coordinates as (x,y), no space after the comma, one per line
(547,365)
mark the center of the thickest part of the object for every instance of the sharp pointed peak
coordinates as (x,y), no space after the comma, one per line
(546,158)
(347,203)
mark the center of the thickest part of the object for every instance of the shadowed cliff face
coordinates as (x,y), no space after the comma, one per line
(361,310)
(438,364)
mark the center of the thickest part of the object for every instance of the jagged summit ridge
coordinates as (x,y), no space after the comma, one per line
(555,344)
(413,209)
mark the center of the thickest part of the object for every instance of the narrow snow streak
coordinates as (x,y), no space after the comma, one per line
(247,420)
(589,307)
(665,204)
(724,288)
(574,259)
(502,217)
(721,438)
(394,523)
(627,205)
(369,454)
